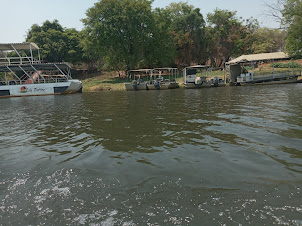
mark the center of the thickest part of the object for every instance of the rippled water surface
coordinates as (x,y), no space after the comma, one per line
(220,156)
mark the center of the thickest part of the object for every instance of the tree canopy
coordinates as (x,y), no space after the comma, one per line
(56,43)
(122,31)
(129,34)
(292,14)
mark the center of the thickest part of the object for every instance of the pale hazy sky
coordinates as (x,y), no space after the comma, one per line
(17,16)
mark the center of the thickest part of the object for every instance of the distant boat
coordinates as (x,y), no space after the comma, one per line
(21,74)
(240,76)
(205,80)
(163,78)
(280,78)
(138,79)
(152,79)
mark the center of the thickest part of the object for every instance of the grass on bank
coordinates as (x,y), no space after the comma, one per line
(110,81)
(100,82)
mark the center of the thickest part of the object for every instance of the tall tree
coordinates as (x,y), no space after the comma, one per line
(56,43)
(162,51)
(121,31)
(267,40)
(225,33)
(188,30)
(292,14)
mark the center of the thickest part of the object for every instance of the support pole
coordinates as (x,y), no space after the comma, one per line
(39,75)
(13,73)
(26,74)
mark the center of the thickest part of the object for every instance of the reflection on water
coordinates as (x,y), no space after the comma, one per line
(229,155)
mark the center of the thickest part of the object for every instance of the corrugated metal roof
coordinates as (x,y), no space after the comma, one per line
(18,46)
(259,57)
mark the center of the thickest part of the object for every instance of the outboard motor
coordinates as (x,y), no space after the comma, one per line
(216,81)
(156,85)
(134,84)
(198,82)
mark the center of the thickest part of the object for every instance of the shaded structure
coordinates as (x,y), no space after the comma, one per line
(237,74)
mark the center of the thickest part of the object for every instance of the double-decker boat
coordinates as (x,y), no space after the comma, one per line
(23,74)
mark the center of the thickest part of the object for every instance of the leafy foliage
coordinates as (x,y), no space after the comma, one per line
(56,43)
(129,34)
(292,14)
(225,32)
(188,30)
(122,31)
(268,40)
(286,65)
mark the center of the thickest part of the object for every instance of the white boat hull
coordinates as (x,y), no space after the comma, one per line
(163,85)
(195,86)
(283,81)
(131,87)
(70,86)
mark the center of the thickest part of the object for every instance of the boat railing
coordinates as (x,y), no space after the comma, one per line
(18,61)
(278,73)
(30,81)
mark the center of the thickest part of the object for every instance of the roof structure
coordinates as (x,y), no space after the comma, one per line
(198,67)
(141,70)
(259,57)
(166,68)
(29,67)
(18,46)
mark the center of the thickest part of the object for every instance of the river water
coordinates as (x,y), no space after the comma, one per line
(220,156)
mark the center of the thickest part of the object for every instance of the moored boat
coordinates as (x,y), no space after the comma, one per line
(163,78)
(281,78)
(26,76)
(136,78)
(242,70)
(205,80)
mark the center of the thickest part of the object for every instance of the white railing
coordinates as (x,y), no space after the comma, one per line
(18,60)
(29,81)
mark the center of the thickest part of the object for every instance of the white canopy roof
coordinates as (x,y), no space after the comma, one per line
(259,57)
(18,46)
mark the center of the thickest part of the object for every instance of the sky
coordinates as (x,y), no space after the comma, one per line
(18,16)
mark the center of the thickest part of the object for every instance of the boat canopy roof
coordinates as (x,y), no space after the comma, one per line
(259,57)
(140,70)
(18,46)
(30,67)
(198,67)
(166,68)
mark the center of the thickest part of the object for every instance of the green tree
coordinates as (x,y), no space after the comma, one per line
(188,30)
(56,43)
(267,40)
(162,51)
(225,34)
(245,43)
(121,31)
(292,14)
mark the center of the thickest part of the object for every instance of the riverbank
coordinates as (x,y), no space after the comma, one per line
(108,81)
(104,81)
